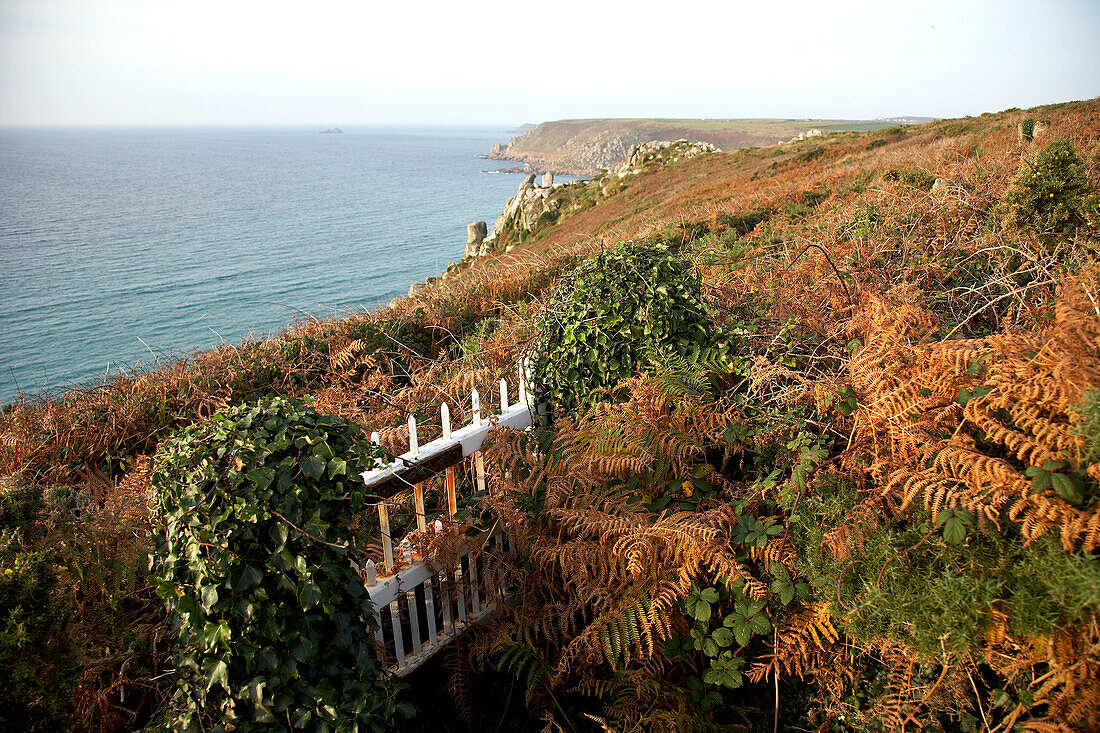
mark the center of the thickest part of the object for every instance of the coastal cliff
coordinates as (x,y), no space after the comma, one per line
(585,147)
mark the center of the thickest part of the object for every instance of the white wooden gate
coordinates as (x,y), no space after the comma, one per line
(429,605)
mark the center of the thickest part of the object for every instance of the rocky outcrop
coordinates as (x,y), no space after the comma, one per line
(475,235)
(661,151)
(812,132)
(522,212)
(585,153)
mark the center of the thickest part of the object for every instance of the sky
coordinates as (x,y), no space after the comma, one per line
(342,63)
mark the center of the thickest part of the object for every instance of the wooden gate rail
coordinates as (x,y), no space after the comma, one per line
(428,605)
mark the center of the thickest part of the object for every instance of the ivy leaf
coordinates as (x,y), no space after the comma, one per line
(256,690)
(337,467)
(314,467)
(209,597)
(250,576)
(219,674)
(309,595)
(965,395)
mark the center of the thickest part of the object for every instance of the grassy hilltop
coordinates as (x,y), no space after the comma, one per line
(826,452)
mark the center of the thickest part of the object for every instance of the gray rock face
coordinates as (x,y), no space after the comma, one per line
(547,180)
(1041,126)
(528,182)
(475,235)
(639,155)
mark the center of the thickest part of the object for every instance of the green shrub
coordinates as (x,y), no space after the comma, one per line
(1026,129)
(620,309)
(935,596)
(37,667)
(1051,195)
(912,178)
(744,222)
(253,556)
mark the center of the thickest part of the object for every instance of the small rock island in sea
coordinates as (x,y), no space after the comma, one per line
(331,130)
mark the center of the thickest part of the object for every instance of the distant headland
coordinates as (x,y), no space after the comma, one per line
(585,147)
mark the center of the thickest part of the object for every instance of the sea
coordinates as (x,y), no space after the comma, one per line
(123,248)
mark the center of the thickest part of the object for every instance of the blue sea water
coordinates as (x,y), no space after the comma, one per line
(129,245)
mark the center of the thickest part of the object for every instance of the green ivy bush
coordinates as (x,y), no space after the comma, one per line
(253,556)
(1052,194)
(620,309)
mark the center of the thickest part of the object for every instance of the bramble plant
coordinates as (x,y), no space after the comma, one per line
(253,556)
(623,307)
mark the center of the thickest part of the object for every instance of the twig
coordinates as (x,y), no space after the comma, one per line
(978,698)
(903,553)
(831,263)
(840,580)
(307,534)
(993,302)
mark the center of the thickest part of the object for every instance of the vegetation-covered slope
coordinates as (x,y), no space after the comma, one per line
(831,456)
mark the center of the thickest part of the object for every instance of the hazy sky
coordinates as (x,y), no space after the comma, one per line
(325,62)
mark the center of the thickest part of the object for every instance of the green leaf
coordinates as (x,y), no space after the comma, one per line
(250,576)
(1068,488)
(314,467)
(710,595)
(954,531)
(209,597)
(760,625)
(337,467)
(219,674)
(702,611)
(732,680)
(309,595)
(722,636)
(256,690)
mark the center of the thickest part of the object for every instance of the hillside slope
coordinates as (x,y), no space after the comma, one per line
(827,452)
(584,147)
